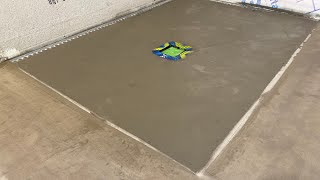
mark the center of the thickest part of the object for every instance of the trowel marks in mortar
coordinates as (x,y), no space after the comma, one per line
(184,108)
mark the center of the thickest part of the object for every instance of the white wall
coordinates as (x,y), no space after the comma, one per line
(27,24)
(308,7)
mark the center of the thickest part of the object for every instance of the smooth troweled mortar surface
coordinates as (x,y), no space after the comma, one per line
(184,108)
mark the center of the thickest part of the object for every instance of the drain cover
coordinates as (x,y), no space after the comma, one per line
(173,51)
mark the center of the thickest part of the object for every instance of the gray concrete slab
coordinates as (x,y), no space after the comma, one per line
(44,136)
(185,108)
(282,141)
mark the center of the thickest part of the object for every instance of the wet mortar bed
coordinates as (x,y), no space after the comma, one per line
(183,108)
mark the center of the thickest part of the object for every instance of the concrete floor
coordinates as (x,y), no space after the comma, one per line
(185,109)
(282,141)
(43,136)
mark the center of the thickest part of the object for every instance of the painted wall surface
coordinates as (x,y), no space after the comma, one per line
(25,25)
(307,7)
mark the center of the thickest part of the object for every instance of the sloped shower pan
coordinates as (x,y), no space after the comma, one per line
(183,108)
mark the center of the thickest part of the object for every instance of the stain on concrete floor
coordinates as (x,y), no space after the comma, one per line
(185,108)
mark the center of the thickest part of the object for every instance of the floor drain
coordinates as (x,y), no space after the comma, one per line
(173,51)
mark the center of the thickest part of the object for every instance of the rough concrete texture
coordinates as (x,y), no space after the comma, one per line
(282,142)
(185,109)
(44,137)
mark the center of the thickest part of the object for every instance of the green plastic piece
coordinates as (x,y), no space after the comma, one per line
(172,51)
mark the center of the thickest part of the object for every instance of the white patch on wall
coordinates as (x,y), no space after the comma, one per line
(9,53)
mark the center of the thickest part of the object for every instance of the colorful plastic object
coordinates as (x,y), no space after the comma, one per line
(172,51)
